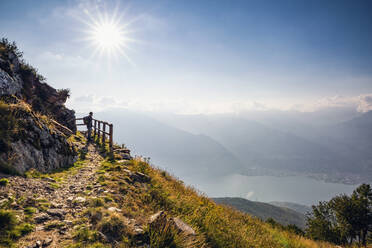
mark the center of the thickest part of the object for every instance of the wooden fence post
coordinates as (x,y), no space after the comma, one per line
(99,130)
(110,138)
(95,127)
(104,134)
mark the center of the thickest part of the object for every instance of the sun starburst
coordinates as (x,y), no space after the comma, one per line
(108,34)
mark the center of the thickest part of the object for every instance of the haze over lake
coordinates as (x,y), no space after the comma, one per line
(298,189)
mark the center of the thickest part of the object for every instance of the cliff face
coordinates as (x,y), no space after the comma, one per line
(34,123)
(23,81)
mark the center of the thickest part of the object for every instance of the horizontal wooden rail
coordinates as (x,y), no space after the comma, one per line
(99,132)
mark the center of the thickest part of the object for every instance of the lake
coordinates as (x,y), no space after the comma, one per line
(298,189)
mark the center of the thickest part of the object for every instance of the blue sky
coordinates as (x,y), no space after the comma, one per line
(203,56)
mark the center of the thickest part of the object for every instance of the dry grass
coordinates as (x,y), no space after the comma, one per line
(216,225)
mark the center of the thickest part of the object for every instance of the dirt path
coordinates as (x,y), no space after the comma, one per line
(58,201)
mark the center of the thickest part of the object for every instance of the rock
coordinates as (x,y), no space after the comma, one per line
(41,218)
(39,228)
(140,177)
(114,209)
(160,219)
(3,201)
(102,237)
(40,147)
(182,226)
(122,150)
(56,213)
(122,161)
(38,243)
(68,222)
(47,242)
(56,205)
(49,179)
(139,235)
(41,143)
(9,85)
(127,171)
(80,199)
(14,205)
(125,156)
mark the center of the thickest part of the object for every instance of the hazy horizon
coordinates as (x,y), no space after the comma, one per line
(200,57)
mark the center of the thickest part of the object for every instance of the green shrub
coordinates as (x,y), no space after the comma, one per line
(9,230)
(8,220)
(54,225)
(113,227)
(21,230)
(4,182)
(29,210)
(108,199)
(94,214)
(166,236)
(96,202)
(84,234)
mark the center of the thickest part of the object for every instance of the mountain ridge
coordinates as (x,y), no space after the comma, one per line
(264,211)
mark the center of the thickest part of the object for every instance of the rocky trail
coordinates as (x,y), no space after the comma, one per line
(63,201)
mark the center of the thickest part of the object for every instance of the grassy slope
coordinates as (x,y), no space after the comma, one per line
(217,225)
(264,211)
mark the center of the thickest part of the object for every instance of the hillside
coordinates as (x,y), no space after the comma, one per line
(303,209)
(57,190)
(283,215)
(35,124)
(98,202)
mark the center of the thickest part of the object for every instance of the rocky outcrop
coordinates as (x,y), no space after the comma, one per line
(34,123)
(123,153)
(23,81)
(29,140)
(8,84)
(160,219)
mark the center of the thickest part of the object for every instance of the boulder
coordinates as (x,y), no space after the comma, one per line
(9,85)
(182,226)
(56,213)
(41,218)
(114,209)
(161,219)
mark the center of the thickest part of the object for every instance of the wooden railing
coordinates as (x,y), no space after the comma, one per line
(99,131)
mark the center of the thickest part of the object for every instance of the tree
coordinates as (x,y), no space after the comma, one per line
(321,224)
(344,219)
(362,221)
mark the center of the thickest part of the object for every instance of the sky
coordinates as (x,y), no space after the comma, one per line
(201,56)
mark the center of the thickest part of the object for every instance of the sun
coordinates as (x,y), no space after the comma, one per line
(108,35)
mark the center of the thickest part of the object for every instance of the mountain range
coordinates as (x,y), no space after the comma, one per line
(208,145)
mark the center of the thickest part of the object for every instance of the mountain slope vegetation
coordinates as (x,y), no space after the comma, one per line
(303,209)
(119,199)
(264,211)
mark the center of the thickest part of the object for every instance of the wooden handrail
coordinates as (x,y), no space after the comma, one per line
(98,132)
